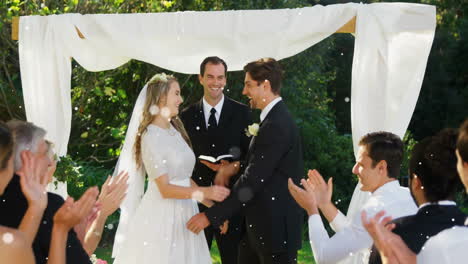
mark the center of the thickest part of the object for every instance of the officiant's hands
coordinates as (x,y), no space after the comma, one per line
(212,166)
(226,171)
(198,222)
(304,197)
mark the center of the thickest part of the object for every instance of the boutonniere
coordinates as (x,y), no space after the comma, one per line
(252,130)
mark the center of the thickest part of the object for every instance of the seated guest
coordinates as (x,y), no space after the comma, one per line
(29,139)
(449,246)
(433,184)
(377,167)
(90,230)
(15,246)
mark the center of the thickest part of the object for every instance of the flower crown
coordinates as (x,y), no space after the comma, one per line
(160,77)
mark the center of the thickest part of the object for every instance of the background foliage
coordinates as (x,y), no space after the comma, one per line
(316,88)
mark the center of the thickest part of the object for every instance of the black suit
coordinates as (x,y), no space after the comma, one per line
(416,229)
(273,220)
(13,206)
(227,138)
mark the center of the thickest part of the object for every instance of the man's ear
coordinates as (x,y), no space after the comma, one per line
(267,86)
(200,79)
(415,182)
(382,166)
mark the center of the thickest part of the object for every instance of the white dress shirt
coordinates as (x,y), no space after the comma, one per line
(448,247)
(207,110)
(351,237)
(268,108)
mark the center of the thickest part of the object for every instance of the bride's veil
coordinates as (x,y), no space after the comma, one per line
(136,182)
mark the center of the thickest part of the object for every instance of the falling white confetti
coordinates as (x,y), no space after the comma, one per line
(110,226)
(8,238)
(346,99)
(198,196)
(197,128)
(165,112)
(154,110)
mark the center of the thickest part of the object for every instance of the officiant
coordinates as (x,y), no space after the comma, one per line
(217,125)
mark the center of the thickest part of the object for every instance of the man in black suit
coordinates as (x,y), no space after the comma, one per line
(433,183)
(216,126)
(273,221)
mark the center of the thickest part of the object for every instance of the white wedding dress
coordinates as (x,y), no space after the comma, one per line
(157,232)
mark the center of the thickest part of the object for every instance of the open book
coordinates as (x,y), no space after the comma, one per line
(218,159)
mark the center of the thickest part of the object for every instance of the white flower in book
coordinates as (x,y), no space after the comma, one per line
(252,130)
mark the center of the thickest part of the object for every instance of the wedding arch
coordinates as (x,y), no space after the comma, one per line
(392,45)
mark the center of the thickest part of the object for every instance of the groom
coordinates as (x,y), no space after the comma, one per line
(272,229)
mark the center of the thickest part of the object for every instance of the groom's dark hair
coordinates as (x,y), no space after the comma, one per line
(384,146)
(213,60)
(266,69)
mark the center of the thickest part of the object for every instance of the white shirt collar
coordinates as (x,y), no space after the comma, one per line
(388,187)
(207,108)
(268,108)
(444,202)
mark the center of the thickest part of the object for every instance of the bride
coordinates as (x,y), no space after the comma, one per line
(152,225)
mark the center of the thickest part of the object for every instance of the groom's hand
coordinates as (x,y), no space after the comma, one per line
(198,222)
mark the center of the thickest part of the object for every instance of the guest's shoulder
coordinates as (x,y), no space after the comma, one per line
(54,202)
(55,198)
(403,221)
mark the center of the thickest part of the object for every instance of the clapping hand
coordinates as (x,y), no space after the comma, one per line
(304,197)
(392,248)
(33,181)
(82,227)
(322,190)
(112,193)
(71,213)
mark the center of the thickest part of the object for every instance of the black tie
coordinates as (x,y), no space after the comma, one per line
(212,120)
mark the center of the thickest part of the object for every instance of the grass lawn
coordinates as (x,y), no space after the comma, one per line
(304,255)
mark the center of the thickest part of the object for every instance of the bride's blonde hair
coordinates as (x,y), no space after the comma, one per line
(157,89)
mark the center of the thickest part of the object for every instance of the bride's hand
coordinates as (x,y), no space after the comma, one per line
(216,193)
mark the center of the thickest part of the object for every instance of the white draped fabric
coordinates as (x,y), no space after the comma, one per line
(391,50)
